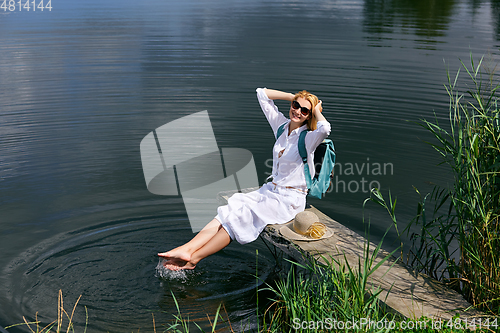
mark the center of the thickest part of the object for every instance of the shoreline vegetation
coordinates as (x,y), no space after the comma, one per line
(458,243)
(467,214)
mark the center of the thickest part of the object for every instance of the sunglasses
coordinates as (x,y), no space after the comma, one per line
(296,105)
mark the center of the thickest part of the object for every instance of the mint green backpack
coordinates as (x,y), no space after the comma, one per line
(324,161)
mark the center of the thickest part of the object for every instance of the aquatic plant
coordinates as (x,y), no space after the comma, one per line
(56,325)
(459,240)
(329,289)
(321,292)
(183,324)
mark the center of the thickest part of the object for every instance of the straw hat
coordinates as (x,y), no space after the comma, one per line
(306,227)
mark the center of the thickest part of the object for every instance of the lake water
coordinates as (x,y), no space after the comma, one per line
(82,84)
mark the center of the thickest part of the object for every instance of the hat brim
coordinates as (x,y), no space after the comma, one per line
(287,231)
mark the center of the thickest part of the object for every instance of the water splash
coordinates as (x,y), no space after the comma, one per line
(165,273)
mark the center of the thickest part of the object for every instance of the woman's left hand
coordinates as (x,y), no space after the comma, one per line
(319,107)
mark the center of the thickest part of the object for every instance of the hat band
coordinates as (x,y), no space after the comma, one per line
(315,230)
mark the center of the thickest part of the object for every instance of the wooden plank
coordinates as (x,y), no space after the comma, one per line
(411,294)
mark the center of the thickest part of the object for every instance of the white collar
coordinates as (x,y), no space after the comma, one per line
(297,130)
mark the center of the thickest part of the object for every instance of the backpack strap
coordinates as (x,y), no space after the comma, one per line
(303,155)
(280,130)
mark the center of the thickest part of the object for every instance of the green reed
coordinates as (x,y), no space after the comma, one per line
(320,293)
(466,216)
(184,324)
(329,288)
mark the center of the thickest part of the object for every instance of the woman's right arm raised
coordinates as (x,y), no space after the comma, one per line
(266,97)
(276,94)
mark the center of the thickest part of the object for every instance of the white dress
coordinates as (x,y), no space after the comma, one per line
(246,215)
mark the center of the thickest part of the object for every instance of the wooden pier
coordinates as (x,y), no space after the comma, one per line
(411,294)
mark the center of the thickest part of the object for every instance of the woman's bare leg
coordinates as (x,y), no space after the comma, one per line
(185,251)
(215,244)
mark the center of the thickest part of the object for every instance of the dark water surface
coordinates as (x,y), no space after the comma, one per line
(82,84)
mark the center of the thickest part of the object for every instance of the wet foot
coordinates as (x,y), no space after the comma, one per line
(177,253)
(177,265)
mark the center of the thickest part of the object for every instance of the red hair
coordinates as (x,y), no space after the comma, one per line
(313,99)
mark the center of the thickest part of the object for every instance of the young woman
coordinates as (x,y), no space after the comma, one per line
(277,201)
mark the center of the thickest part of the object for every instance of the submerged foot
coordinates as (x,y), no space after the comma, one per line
(177,264)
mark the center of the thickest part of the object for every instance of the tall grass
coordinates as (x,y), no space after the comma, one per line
(57,325)
(183,324)
(322,293)
(470,145)
(328,288)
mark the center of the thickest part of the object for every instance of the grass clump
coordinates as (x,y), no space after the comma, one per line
(320,296)
(328,293)
(57,325)
(470,146)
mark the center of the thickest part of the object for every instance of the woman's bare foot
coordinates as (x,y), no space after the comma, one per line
(177,265)
(177,253)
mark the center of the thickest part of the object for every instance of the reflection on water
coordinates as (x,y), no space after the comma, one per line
(495,14)
(82,85)
(427,19)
